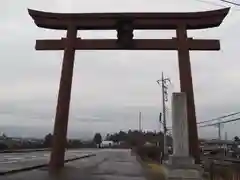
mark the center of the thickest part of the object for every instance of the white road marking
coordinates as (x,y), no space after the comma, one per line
(7,156)
(19,158)
(8,162)
(15,158)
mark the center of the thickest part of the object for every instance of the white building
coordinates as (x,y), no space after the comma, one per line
(107,143)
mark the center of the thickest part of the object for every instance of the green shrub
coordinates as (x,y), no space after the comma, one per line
(149,153)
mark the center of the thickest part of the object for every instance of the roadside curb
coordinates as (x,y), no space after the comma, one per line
(23,150)
(42,165)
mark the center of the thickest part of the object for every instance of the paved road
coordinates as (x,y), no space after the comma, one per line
(11,161)
(106,165)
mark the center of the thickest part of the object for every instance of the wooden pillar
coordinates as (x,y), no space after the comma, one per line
(187,87)
(64,96)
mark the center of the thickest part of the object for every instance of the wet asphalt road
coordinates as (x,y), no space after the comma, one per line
(11,161)
(108,164)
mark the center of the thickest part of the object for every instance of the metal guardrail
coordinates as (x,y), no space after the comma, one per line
(232,160)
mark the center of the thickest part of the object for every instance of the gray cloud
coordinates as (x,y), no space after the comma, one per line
(109,87)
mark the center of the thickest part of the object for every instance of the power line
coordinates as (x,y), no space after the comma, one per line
(221,5)
(221,117)
(220,123)
(223,122)
(212,3)
(230,2)
(214,119)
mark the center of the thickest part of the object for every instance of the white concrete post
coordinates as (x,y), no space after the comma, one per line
(180,125)
(181,165)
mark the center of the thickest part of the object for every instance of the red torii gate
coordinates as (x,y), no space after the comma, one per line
(124,24)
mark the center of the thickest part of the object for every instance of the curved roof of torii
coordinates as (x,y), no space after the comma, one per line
(108,21)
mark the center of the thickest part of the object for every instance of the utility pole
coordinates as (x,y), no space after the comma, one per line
(160,120)
(219,131)
(219,126)
(164,82)
(140,121)
(226,137)
(164,116)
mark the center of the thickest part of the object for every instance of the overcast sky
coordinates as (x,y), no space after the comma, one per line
(110,87)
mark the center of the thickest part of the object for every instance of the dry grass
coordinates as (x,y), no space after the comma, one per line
(156,171)
(219,172)
(150,158)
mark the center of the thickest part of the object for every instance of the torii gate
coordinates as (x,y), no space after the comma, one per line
(124,24)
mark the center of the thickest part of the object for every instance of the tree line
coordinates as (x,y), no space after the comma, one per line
(133,138)
(120,139)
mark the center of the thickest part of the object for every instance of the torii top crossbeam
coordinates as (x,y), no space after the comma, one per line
(108,21)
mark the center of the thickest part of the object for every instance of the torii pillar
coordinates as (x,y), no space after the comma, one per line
(186,86)
(64,96)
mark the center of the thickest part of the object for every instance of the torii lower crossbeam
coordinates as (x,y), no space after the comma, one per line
(137,44)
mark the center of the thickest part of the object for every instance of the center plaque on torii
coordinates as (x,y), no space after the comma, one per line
(124,24)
